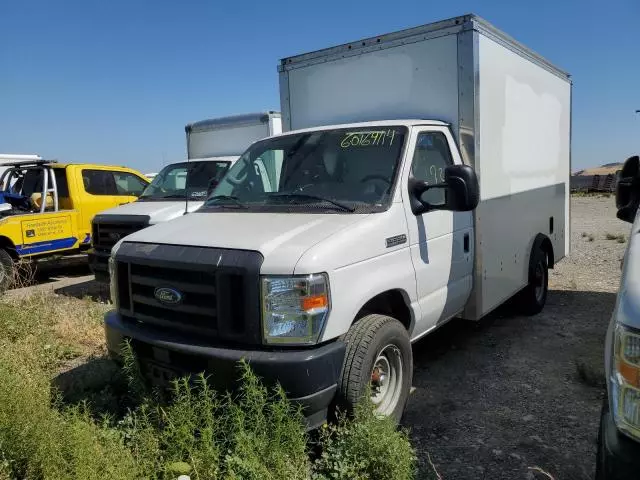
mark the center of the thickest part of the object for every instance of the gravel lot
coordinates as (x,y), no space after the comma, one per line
(494,399)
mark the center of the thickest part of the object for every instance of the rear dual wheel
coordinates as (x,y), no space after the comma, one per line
(534,296)
(378,362)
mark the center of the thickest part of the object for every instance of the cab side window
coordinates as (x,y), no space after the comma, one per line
(106,182)
(431,157)
(128,184)
(99,182)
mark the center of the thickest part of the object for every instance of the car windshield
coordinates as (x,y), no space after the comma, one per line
(337,171)
(194,180)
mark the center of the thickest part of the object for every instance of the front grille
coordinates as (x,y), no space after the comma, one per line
(107,230)
(219,290)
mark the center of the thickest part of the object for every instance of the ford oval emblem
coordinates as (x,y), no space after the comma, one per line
(168,296)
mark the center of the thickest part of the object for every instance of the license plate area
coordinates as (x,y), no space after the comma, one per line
(158,374)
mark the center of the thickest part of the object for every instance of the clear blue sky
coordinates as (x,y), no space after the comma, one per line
(116,81)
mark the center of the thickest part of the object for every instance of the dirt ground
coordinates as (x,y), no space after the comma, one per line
(494,399)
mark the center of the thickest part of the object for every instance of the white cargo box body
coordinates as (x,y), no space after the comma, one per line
(230,136)
(509,108)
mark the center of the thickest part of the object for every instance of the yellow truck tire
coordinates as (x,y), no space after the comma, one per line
(7,267)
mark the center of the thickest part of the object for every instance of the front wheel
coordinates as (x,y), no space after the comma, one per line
(378,361)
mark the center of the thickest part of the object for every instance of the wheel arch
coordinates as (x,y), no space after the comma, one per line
(542,242)
(9,246)
(394,303)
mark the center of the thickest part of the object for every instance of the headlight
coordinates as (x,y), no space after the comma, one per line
(294,309)
(625,380)
(113,277)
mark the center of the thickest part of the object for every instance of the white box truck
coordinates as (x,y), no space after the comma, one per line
(424,176)
(213,145)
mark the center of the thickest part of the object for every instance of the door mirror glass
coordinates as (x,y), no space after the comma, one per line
(628,189)
(460,188)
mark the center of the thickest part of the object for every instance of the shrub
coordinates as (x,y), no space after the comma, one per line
(38,440)
(365,448)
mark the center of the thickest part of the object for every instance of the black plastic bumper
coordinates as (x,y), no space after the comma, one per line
(618,455)
(99,264)
(309,377)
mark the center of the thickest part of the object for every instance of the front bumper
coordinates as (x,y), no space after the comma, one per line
(99,264)
(618,455)
(308,376)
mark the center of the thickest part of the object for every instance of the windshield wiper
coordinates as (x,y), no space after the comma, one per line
(235,200)
(173,195)
(318,198)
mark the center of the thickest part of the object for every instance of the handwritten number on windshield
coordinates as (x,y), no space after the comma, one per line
(365,138)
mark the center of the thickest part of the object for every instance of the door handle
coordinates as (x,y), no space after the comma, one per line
(466,243)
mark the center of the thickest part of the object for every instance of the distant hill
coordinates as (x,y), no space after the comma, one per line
(606,169)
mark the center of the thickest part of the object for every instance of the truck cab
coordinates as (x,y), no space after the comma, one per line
(213,145)
(46,208)
(395,201)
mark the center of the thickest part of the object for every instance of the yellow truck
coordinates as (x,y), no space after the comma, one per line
(46,208)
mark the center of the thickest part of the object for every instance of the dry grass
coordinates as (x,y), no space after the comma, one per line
(620,238)
(63,326)
(588,236)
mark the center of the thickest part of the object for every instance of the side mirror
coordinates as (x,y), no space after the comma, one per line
(461,191)
(628,189)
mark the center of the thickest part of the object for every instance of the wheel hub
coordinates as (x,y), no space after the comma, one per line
(386,380)
(539,281)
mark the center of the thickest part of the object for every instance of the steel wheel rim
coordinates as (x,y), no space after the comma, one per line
(386,380)
(539,281)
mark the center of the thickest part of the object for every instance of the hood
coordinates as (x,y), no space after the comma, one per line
(281,238)
(158,212)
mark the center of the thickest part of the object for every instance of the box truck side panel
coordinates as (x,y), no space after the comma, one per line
(275,126)
(523,166)
(414,80)
(226,141)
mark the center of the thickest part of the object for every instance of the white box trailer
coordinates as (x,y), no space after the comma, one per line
(230,136)
(509,108)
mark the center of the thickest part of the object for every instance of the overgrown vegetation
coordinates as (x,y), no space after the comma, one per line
(254,433)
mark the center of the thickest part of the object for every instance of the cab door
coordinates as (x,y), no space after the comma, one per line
(128,186)
(441,241)
(103,189)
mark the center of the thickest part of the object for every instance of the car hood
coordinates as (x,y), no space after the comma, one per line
(281,238)
(157,212)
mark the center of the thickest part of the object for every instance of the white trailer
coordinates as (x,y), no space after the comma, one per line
(424,175)
(509,109)
(230,136)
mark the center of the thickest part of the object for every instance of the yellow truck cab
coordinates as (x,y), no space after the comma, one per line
(46,208)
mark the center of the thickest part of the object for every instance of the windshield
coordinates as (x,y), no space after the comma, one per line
(194,180)
(341,171)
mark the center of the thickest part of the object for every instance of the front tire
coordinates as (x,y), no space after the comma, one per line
(378,360)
